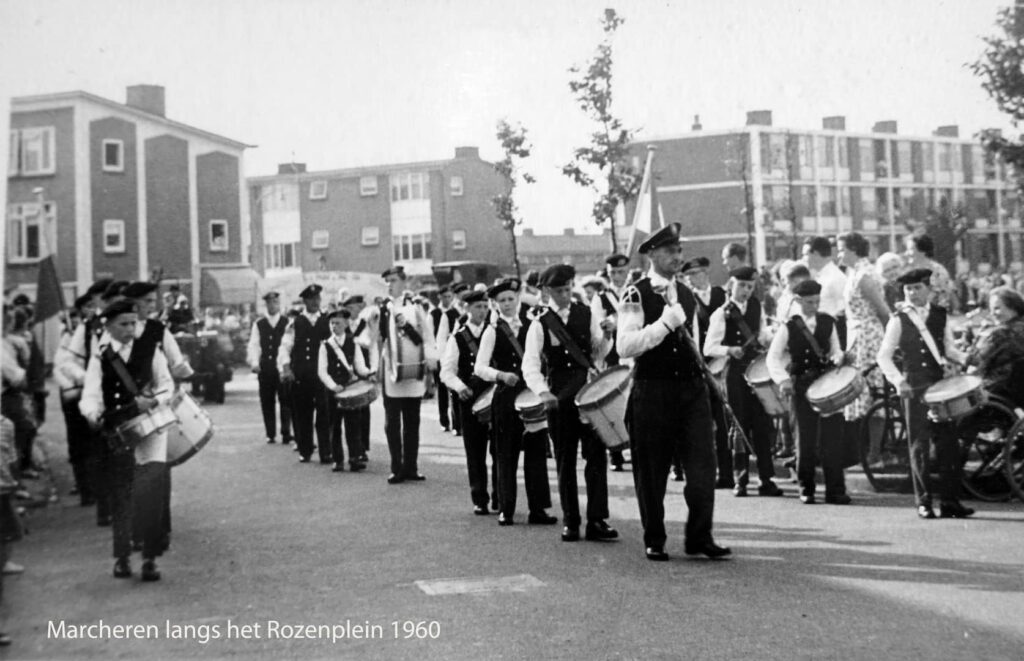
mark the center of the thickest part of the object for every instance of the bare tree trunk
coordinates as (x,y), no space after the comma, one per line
(515,252)
(611,230)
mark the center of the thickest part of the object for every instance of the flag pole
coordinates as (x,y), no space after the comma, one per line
(646,193)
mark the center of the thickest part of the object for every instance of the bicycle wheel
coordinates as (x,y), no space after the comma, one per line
(884,453)
(985,474)
(1013,458)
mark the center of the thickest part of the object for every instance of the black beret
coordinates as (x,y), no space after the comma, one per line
(744,273)
(696,263)
(558,275)
(140,289)
(115,288)
(474,297)
(617,260)
(118,307)
(394,270)
(340,314)
(507,284)
(82,301)
(445,289)
(807,288)
(353,300)
(532,277)
(271,294)
(914,276)
(99,286)
(667,235)
(311,291)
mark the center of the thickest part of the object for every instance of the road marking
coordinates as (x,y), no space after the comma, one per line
(443,586)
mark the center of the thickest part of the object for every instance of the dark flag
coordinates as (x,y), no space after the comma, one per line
(49,294)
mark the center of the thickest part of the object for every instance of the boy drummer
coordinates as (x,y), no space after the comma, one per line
(809,343)
(341,364)
(921,332)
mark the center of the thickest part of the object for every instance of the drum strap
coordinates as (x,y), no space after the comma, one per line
(409,330)
(507,330)
(925,335)
(341,355)
(122,370)
(809,336)
(748,335)
(553,323)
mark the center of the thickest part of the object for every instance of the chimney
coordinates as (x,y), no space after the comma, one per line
(948,131)
(834,123)
(467,152)
(569,231)
(696,123)
(759,118)
(291,168)
(886,126)
(149,98)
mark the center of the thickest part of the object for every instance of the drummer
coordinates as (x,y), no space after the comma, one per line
(569,341)
(802,343)
(500,361)
(738,330)
(340,364)
(921,332)
(605,308)
(109,400)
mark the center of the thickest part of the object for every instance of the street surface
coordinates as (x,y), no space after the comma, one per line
(264,546)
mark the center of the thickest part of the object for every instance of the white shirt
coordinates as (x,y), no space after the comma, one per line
(713,346)
(532,352)
(482,368)
(450,359)
(253,352)
(632,337)
(420,321)
(359,368)
(833,286)
(891,342)
(444,329)
(778,358)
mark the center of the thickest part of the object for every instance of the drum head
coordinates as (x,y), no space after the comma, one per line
(951,388)
(484,400)
(606,383)
(357,388)
(832,382)
(757,372)
(526,400)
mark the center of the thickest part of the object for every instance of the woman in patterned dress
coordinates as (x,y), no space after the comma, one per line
(866,315)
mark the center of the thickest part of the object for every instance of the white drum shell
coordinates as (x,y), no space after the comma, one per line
(194,430)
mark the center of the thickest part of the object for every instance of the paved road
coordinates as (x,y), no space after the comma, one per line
(260,539)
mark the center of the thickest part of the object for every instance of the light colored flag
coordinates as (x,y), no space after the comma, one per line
(648,217)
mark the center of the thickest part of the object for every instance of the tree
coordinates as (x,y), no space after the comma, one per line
(602,166)
(514,145)
(1002,76)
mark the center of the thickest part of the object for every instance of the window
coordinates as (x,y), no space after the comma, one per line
(411,246)
(900,154)
(868,199)
(321,239)
(828,201)
(842,155)
(218,236)
(455,186)
(410,186)
(36,151)
(113,156)
(458,239)
(367,186)
(318,190)
(370,236)
(280,255)
(866,155)
(26,229)
(773,154)
(113,236)
(824,149)
(978,164)
(12,154)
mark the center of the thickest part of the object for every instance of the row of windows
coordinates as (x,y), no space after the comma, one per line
(414,186)
(829,201)
(406,247)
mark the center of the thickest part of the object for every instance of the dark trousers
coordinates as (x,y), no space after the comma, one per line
(722,450)
(476,441)
(364,429)
(569,434)
(510,441)
(309,399)
(402,428)
(136,496)
(350,419)
(669,418)
(922,434)
(273,395)
(755,423)
(820,440)
(79,438)
(442,401)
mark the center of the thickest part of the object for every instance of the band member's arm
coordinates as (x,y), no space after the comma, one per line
(321,369)
(252,350)
(359,364)
(535,381)
(764,333)
(91,404)
(172,350)
(163,383)
(952,353)
(70,359)
(450,366)
(443,332)
(430,352)
(369,318)
(597,310)
(778,356)
(284,352)
(632,337)
(835,351)
(482,368)
(600,343)
(890,342)
(713,346)
(374,352)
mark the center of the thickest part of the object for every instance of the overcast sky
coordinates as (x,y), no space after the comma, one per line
(340,83)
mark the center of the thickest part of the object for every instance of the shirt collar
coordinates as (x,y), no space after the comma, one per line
(658,281)
(551,304)
(741,306)
(273,318)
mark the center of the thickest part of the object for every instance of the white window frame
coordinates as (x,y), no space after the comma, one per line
(280,255)
(367,186)
(218,222)
(22,217)
(116,167)
(369,236)
(318,190)
(321,239)
(407,186)
(456,186)
(113,228)
(458,239)
(404,247)
(46,152)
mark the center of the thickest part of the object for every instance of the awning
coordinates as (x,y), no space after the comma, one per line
(228,286)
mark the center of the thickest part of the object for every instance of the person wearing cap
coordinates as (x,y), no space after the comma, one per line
(921,332)
(804,348)
(739,330)
(77,428)
(457,365)
(356,305)
(128,376)
(445,316)
(668,413)
(339,365)
(500,361)
(261,354)
(145,296)
(604,307)
(297,360)
(556,373)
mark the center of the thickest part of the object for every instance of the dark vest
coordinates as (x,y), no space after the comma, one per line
(919,365)
(504,358)
(306,349)
(734,336)
(468,346)
(153,331)
(565,375)
(673,358)
(335,369)
(805,364)
(270,341)
(118,401)
(704,312)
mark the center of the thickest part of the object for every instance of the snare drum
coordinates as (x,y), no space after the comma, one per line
(531,411)
(482,405)
(356,396)
(602,403)
(761,383)
(194,430)
(835,389)
(952,398)
(155,420)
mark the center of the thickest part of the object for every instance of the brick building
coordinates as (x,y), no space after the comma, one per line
(119,190)
(586,252)
(365,219)
(806,182)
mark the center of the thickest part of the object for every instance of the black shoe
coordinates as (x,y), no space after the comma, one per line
(599,531)
(5,639)
(326,460)
(480,510)
(338,468)
(495,506)
(769,488)
(122,568)
(740,491)
(505,519)
(838,499)
(710,549)
(656,553)
(356,466)
(807,498)
(571,534)
(270,441)
(954,510)
(395,479)
(542,518)
(149,571)
(415,477)
(925,512)
(363,458)
(725,483)
(103,521)
(617,468)
(286,441)
(304,460)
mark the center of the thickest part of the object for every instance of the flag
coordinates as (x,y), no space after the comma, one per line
(49,294)
(647,218)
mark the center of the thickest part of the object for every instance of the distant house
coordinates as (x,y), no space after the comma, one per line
(586,252)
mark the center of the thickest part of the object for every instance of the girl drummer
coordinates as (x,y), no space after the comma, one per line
(339,365)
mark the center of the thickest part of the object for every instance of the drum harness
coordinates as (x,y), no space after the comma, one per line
(129,383)
(552,322)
